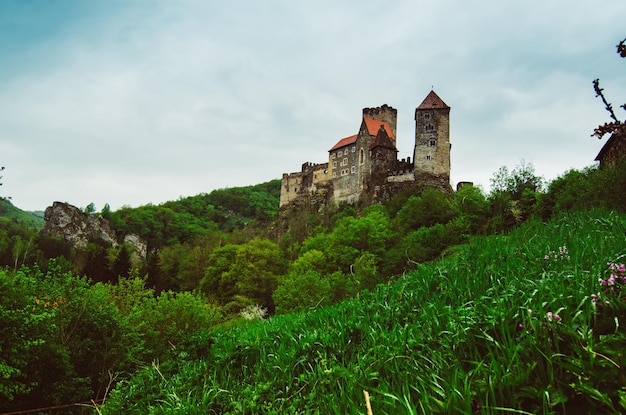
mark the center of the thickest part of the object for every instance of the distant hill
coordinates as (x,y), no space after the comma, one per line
(32,219)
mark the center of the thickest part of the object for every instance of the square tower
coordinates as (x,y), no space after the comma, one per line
(432,137)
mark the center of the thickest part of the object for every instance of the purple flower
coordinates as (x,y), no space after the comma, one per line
(552,317)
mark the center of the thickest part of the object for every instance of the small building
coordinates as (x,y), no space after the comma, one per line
(614,149)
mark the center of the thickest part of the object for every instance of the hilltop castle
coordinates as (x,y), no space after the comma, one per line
(365,166)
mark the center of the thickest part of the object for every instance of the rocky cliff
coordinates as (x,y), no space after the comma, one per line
(78,228)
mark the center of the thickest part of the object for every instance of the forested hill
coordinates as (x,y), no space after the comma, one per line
(31,219)
(185,219)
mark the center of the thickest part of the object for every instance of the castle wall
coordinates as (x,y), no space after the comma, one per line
(290,186)
(402,177)
(345,173)
(311,179)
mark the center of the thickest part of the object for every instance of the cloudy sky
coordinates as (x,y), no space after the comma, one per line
(130,102)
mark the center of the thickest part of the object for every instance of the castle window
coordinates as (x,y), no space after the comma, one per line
(433,143)
(430,127)
(334,164)
(427,116)
(353,169)
(333,155)
(344,162)
(353,149)
(361,156)
(427,157)
(334,174)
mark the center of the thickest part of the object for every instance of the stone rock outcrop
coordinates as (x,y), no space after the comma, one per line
(78,228)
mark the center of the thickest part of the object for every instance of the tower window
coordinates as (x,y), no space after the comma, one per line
(353,169)
(361,156)
(427,157)
(427,116)
(433,143)
(430,127)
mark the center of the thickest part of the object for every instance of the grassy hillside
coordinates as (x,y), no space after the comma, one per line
(530,322)
(31,219)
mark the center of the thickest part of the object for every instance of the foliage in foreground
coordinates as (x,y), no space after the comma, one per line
(64,340)
(531,322)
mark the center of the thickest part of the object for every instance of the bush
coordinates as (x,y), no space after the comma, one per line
(302,291)
(166,321)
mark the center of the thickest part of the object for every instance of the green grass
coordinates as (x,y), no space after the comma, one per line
(454,337)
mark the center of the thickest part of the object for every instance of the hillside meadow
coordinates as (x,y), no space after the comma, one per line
(530,321)
(239,310)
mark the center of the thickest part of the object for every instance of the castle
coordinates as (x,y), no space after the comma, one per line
(365,166)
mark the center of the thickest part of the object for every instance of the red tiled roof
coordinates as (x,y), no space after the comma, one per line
(432,101)
(373,126)
(344,142)
(383,140)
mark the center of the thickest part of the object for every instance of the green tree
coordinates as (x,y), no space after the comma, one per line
(26,324)
(106,211)
(240,275)
(312,260)
(351,237)
(218,283)
(473,208)
(514,195)
(60,338)
(257,266)
(428,209)
(90,208)
(122,264)
(165,322)
(301,291)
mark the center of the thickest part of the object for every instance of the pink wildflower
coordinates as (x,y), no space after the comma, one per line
(552,317)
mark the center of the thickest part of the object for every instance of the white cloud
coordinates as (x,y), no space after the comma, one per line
(148,101)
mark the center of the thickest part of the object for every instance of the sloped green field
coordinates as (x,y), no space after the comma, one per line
(530,322)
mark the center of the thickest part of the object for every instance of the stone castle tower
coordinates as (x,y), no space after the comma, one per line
(365,166)
(432,137)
